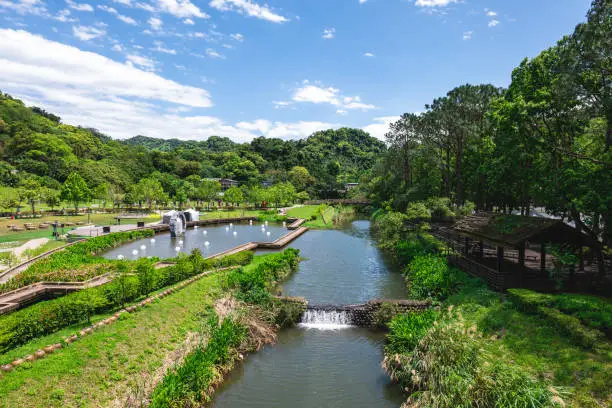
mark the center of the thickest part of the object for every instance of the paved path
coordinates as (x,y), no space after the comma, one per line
(31,244)
(94,231)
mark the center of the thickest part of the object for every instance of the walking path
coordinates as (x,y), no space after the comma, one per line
(31,244)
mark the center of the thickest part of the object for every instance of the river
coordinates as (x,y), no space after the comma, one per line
(328,366)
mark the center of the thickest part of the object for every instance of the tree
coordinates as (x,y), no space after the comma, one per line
(146,276)
(148,190)
(101,192)
(75,190)
(302,196)
(8,259)
(301,178)
(209,190)
(31,191)
(233,195)
(50,197)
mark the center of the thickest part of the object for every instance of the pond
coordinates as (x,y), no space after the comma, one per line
(219,237)
(328,365)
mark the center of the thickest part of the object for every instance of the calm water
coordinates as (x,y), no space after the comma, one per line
(324,368)
(218,237)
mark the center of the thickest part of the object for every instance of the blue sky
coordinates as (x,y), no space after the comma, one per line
(280,68)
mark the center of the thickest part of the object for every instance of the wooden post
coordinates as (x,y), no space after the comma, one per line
(521,261)
(543,259)
(500,258)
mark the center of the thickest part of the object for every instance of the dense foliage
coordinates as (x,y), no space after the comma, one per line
(39,154)
(534,144)
(254,281)
(136,280)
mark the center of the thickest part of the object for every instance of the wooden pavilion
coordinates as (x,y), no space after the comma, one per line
(511,251)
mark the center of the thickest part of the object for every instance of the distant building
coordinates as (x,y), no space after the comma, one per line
(225,183)
(349,186)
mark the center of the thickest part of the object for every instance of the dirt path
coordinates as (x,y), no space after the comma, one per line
(31,244)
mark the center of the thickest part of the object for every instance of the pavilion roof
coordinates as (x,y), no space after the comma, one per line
(514,230)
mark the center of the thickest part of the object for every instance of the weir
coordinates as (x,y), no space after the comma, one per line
(328,316)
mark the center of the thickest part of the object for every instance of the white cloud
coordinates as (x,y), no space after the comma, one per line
(381,126)
(317,94)
(214,54)
(86,33)
(284,130)
(490,13)
(188,21)
(127,19)
(112,10)
(434,3)
(281,104)
(79,6)
(124,2)
(362,1)
(493,23)
(159,47)
(249,8)
(180,8)
(467,35)
(329,33)
(139,61)
(341,111)
(117,47)
(368,54)
(237,37)
(36,7)
(228,46)
(146,7)
(155,23)
(64,16)
(32,64)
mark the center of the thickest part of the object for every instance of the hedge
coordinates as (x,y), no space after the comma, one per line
(547,306)
(50,316)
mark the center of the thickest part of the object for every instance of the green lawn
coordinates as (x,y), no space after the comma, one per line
(329,218)
(536,345)
(113,362)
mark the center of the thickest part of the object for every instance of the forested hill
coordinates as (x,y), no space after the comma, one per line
(35,147)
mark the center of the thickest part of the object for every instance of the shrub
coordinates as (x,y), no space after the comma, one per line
(384,314)
(406,330)
(450,367)
(571,327)
(429,276)
(592,311)
(528,300)
(254,280)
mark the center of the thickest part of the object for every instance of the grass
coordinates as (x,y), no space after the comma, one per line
(114,361)
(330,218)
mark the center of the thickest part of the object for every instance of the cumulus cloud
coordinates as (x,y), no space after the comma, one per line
(467,35)
(188,21)
(493,23)
(318,94)
(86,33)
(248,8)
(368,54)
(139,61)
(329,33)
(159,47)
(381,126)
(36,7)
(490,13)
(214,54)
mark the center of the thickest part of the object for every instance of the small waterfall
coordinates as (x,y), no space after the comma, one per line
(325,319)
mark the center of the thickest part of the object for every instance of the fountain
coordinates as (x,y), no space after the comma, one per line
(120,257)
(135,252)
(235,233)
(181,242)
(177,249)
(206,244)
(204,232)
(152,240)
(143,247)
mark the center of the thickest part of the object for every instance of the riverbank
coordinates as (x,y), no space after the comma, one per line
(120,364)
(489,348)
(323,216)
